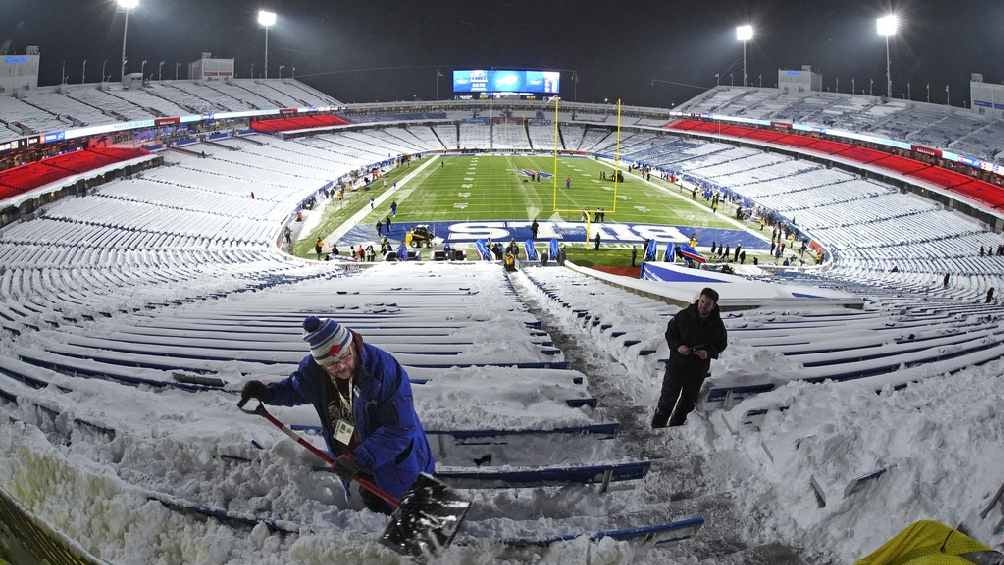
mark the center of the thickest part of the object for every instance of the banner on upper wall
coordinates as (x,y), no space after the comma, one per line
(925,150)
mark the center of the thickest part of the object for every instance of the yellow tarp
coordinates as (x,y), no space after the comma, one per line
(925,542)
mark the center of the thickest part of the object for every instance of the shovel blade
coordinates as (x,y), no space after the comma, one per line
(428,518)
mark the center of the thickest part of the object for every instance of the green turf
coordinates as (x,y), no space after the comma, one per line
(334,215)
(620,256)
(491,188)
(609,257)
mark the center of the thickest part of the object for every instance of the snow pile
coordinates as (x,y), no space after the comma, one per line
(939,443)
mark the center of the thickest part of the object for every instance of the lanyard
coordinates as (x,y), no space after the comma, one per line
(345,404)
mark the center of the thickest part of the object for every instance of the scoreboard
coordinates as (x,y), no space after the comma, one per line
(506,81)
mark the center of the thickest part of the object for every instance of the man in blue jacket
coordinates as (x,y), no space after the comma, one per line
(363,398)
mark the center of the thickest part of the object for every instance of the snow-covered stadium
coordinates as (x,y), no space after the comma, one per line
(147,272)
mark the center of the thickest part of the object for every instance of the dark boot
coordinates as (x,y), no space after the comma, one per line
(659,420)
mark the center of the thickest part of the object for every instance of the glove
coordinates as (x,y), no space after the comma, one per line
(253,389)
(346,467)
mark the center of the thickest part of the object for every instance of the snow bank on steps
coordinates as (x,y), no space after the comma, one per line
(120,525)
(940,441)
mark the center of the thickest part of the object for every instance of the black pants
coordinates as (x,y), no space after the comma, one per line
(678,397)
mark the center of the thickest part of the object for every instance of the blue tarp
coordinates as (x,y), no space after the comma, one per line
(483,250)
(670,255)
(688,252)
(654,272)
(531,251)
(650,251)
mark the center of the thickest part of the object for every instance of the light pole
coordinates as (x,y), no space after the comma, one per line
(908,97)
(744,33)
(837,87)
(266,19)
(928,88)
(83,72)
(871,84)
(761,80)
(948,94)
(142,72)
(128,6)
(104,65)
(887,26)
(852,87)
(160,71)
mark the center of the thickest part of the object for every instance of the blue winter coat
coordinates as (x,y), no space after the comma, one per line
(391,441)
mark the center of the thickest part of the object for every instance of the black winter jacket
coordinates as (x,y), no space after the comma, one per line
(688,328)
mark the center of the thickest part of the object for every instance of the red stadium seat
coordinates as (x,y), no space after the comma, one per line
(864,154)
(682,124)
(956,182)
(982,191)
(33,175)
(902,164)
(297,122)
(829,147)
(765,135)
(942,177)
(795,140)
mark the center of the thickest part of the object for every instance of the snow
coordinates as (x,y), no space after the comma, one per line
(104,459)
(939,441)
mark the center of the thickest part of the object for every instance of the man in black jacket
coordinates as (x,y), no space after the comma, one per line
(695,335)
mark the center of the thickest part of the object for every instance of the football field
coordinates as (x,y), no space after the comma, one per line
(492,187)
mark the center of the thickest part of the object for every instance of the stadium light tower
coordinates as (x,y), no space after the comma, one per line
(887,26)
(744,33)
(128,6)
(266,20)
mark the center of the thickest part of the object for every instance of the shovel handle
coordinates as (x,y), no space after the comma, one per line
(362,481)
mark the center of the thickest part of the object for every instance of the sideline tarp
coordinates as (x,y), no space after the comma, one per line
(925,542)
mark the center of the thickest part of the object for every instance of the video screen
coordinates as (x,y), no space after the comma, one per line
(519,82)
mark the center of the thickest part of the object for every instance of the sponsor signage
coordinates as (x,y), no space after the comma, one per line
(171,121)
(925,150)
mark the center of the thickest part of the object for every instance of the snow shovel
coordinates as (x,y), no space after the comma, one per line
(424,521)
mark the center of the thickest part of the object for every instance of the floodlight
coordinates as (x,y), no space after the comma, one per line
(887,25)
(127,6)
(744,32)
(266,18)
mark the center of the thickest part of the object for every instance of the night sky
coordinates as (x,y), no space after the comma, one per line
(366,50)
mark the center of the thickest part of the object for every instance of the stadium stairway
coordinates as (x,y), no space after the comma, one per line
(902,338)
